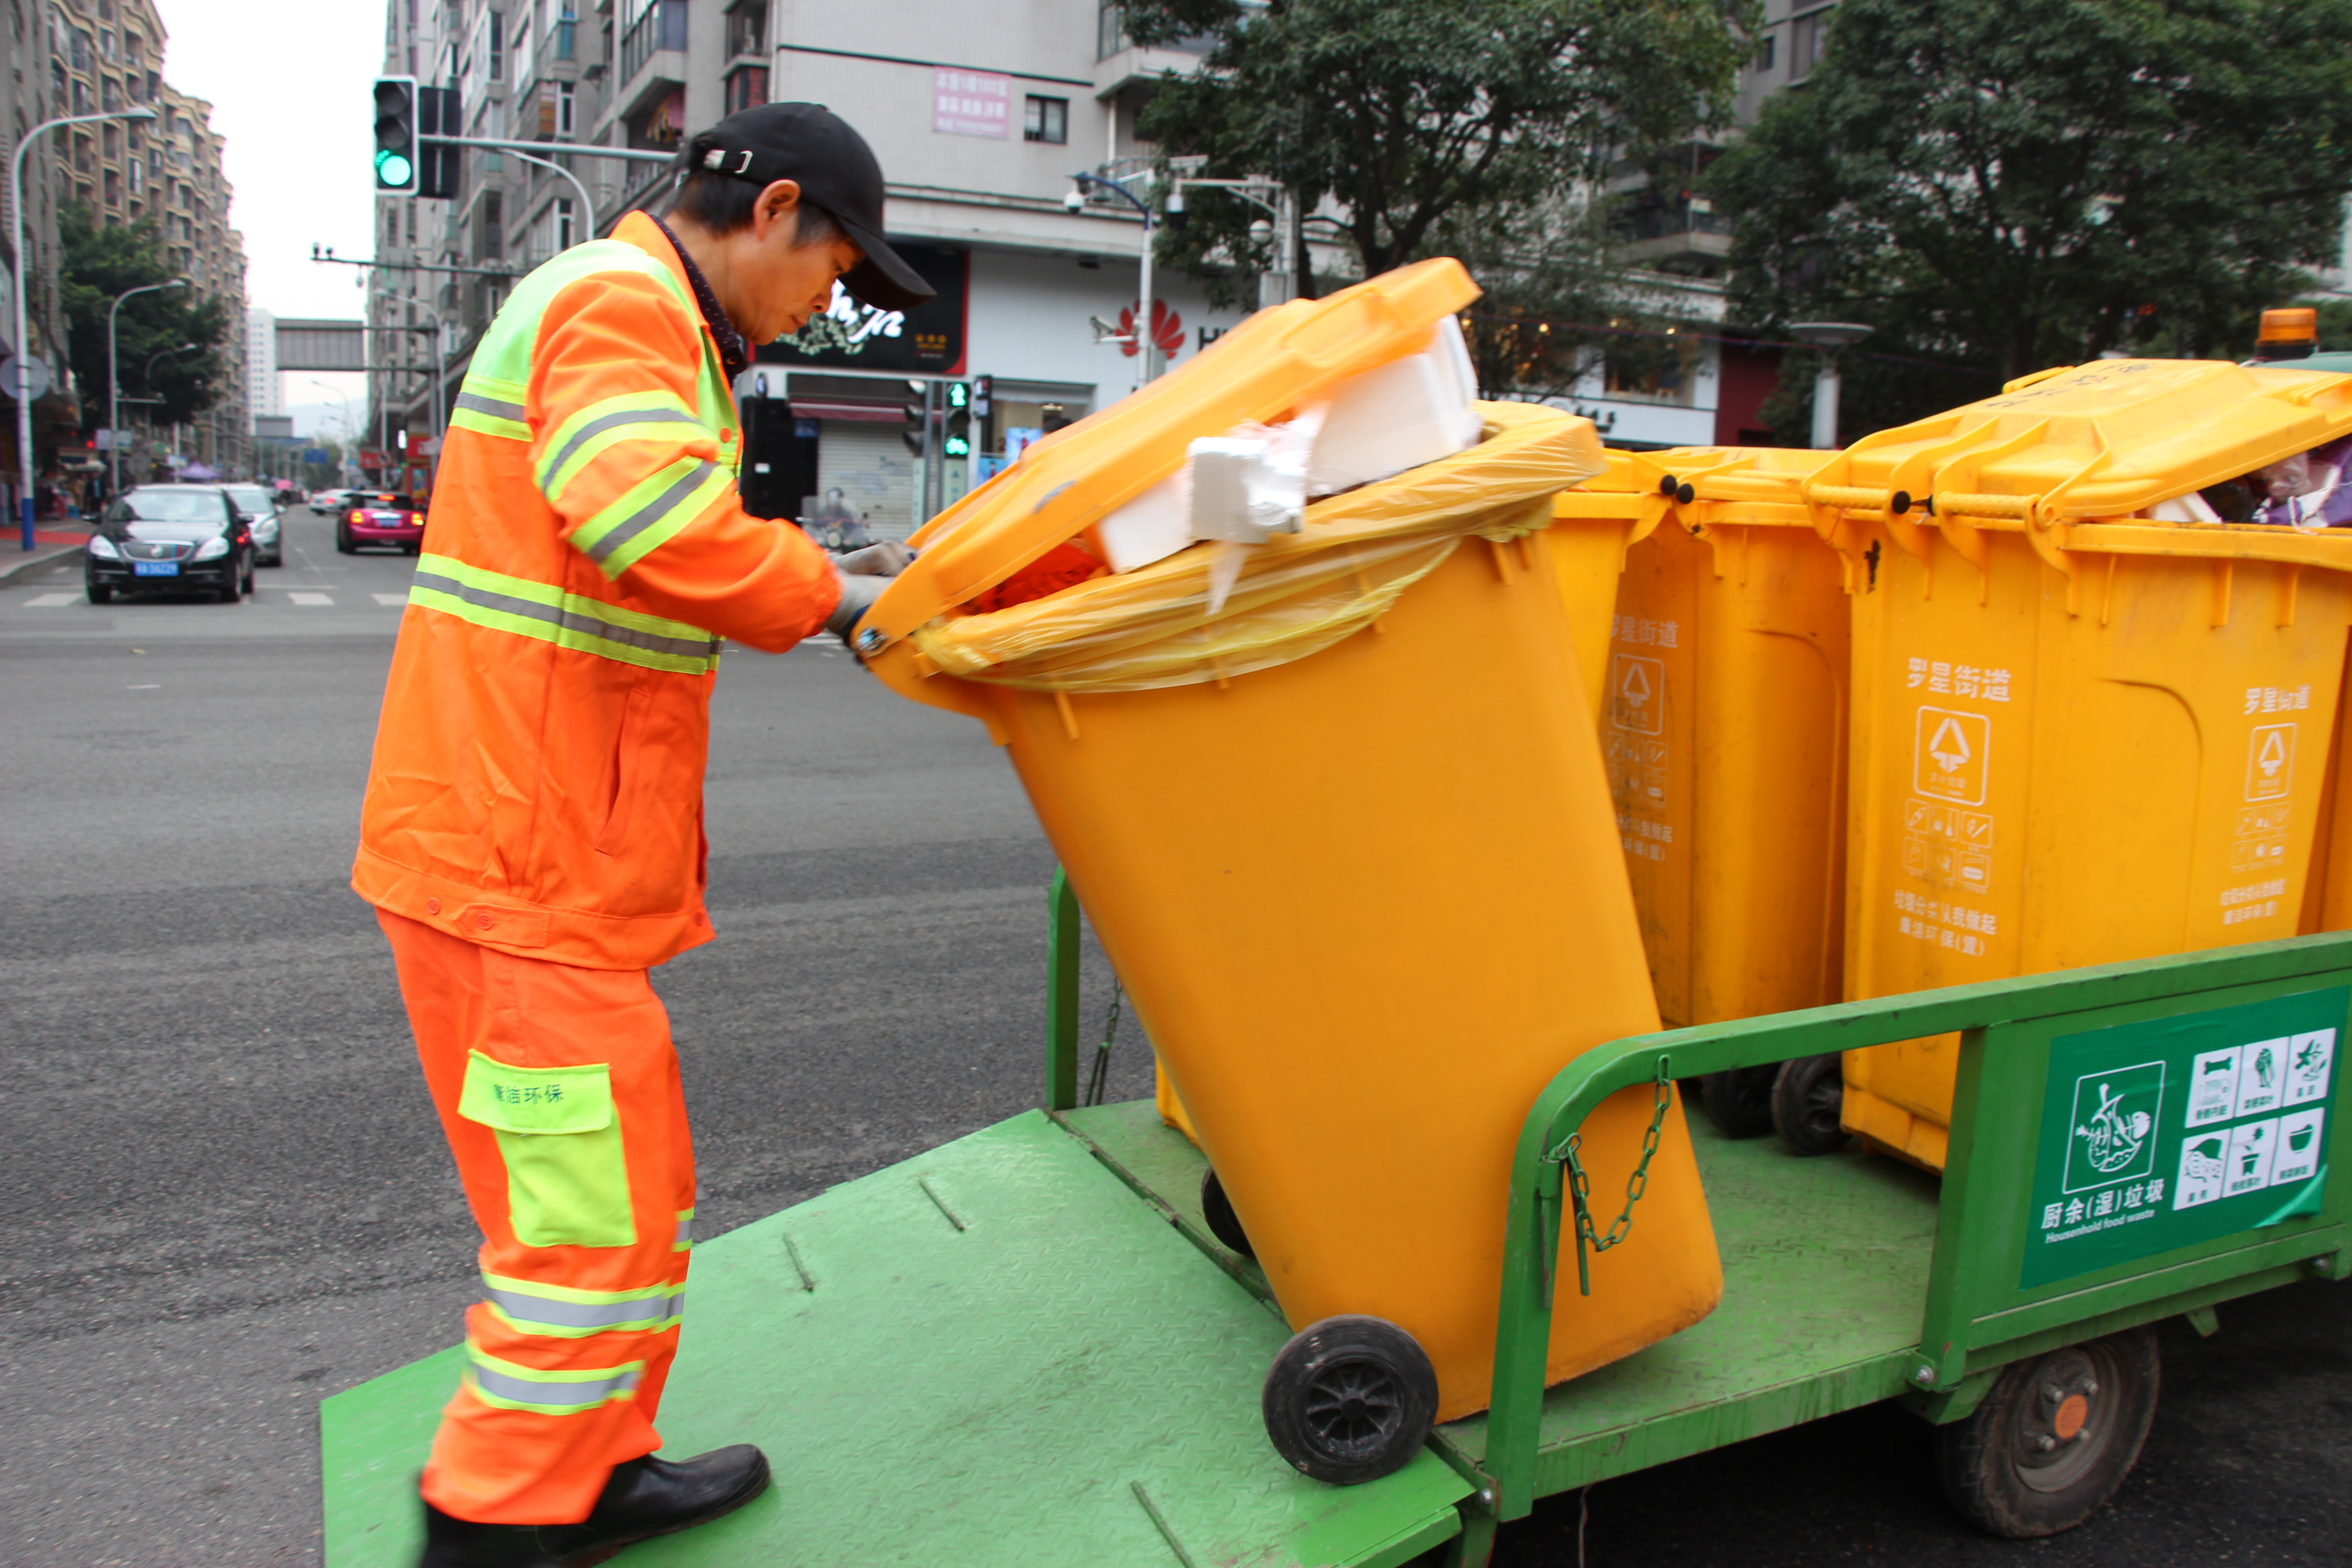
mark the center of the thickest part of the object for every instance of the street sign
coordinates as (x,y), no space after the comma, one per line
(21,377)
(317,455)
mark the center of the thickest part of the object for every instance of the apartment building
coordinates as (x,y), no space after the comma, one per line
(979,140)
(108,55)
(30,93)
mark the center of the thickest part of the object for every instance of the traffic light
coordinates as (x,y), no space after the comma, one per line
(956,441)
(436,161)
(396,134)
(919,417)
(983,395)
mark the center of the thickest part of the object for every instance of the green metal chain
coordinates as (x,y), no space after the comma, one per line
(1580,1186)
(1098,1079)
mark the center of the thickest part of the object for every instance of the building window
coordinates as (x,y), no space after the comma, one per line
(111,135)
(81,48)
(747,29)
(1046,120)
(567,109)
(489,232)
(109,94)
(138,176)
(1807,34)
(114,189)
(497,47)
(1768,51)
(82,98)
(566,26)
(564,221)
(747,86)
(134,50)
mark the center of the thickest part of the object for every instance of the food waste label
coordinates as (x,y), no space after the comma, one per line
(2165,1133)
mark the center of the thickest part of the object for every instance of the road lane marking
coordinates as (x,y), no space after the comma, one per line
(52,601)
(393,600)
(310,598)
(151,686)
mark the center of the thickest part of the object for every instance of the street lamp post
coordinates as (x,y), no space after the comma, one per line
(1076,199)
(24,341)
(114,384)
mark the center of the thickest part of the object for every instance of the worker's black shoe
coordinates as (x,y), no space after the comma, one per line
(644,1497)
(651,1497)
(462,1543)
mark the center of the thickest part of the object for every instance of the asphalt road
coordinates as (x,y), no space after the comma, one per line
(229,1199)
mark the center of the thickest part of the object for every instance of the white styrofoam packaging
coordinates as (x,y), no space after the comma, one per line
(1152,527)
(1399,415)
(1375,425)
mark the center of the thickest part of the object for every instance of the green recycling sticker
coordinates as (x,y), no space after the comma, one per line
(2173,1132)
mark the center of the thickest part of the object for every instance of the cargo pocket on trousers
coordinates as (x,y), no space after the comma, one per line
(567,1180)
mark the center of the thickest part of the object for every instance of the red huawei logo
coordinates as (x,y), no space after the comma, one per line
(1167,329)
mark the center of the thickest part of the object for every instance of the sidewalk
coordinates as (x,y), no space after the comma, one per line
(52,542)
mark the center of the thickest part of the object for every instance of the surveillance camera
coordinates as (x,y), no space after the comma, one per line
(1076,199)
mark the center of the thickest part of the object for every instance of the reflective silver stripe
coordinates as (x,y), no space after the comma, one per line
(474,402)
(685,1236)
(656,1306)
(568,620)
(654,510)
(597,427)
(531,1391)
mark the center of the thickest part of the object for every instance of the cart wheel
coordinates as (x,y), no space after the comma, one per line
(2054,1438)
(1350,1399)
(1218,1210)
(1739,1102)
(1807,1099)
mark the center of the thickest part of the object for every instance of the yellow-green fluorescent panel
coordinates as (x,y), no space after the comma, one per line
(993,1353)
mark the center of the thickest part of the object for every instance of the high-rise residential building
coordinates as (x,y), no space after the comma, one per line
(34,89)
(265,393)
(108,55)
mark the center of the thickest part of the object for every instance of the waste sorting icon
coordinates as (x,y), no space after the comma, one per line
(2116,1117)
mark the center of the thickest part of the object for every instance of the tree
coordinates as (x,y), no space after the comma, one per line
(100,262)
(2001,187)
(1429,124)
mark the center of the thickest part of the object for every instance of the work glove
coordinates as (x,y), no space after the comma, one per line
(857,595)
(887,559)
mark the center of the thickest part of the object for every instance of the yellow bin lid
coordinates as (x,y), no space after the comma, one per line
(1273,363)
(2090,443)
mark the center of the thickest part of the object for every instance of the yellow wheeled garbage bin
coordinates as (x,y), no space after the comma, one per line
(2085,731)
(1723,724)
(1350,855)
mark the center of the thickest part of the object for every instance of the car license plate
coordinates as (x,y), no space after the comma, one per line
(155,568)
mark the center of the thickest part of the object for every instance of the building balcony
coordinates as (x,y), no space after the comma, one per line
(652,57)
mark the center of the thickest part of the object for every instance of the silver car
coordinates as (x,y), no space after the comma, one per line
(258,506)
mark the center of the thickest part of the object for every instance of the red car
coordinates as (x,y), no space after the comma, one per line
(380,518)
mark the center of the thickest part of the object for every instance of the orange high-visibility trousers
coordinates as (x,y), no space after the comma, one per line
(558,1088)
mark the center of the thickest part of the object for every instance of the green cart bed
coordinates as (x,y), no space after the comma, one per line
(1026,1347)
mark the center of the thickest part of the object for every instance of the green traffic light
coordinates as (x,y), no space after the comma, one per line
(957,446)
(394,168)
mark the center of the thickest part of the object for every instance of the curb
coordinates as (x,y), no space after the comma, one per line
(40,561)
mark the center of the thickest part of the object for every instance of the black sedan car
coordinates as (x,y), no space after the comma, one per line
(171,538)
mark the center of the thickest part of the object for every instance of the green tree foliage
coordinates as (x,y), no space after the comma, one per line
(1998,187)
(1440,126)
(101,261)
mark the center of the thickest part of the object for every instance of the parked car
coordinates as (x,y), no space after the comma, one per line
(380,517)
(259,505)
(169,538)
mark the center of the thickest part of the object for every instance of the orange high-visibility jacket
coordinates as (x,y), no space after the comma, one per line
(537,785)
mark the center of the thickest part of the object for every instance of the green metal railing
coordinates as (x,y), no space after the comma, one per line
(1974,1317)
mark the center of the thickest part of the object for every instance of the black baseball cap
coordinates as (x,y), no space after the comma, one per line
(836,170)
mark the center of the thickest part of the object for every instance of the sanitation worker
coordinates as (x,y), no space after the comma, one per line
(532,831)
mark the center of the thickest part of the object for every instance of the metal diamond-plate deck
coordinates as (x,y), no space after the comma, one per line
(1012,1391)
(1825,1279)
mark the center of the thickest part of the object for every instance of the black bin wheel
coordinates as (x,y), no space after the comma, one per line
(1350,1399)
(1218,1210)
(1740,1102)
(1807,1097)
(2053,1439)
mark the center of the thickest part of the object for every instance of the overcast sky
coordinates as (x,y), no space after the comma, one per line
(289,87)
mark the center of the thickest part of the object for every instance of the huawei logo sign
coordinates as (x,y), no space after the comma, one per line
(1167,329)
